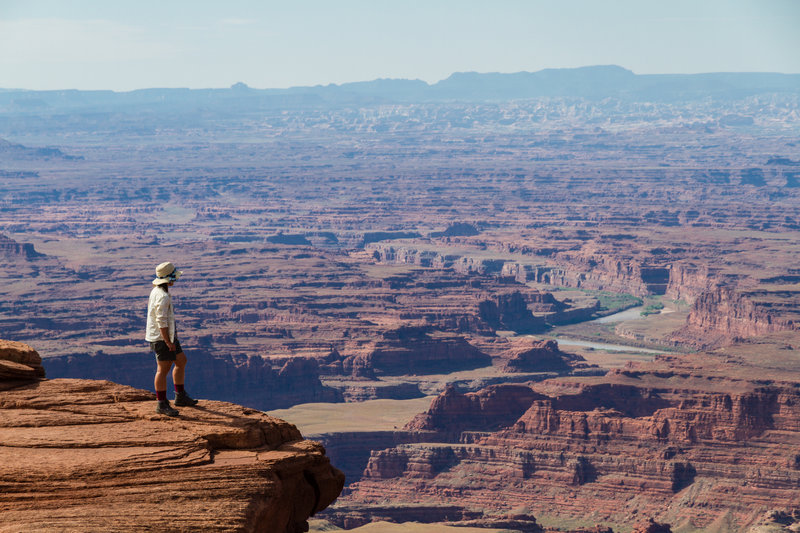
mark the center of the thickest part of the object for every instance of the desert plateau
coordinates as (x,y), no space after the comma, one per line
(566,300)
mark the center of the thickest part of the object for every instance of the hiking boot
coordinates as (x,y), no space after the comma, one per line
(184,400)
(164,408)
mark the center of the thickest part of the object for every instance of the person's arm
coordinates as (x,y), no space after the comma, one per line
(165,336)
(162,320)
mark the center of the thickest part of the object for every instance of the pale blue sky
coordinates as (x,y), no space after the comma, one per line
(124,45)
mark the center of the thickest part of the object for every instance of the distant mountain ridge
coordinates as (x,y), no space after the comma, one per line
(595,82)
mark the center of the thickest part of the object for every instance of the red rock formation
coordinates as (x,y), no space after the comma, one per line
(350,517)
(725,314)
(544,302)
(651,526)
(12,250)
(493,407)
(608,271)
(510,312)
(19,362)
(688,281)
(80,455)
(676,443)
(407,351)
(588,270)
(539,356)
(350,451)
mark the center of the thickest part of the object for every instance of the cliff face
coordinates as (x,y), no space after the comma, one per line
(688,281)
(413,351)
(13,250)
(683,446)
(567,268)
(727,306)
(510,312)
(256,382)
(725,314)
(539,356)
(492,407)
(81,455)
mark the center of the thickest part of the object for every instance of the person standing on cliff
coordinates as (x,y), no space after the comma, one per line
(164,341)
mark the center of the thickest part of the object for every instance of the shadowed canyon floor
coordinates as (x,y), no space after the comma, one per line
(421,286)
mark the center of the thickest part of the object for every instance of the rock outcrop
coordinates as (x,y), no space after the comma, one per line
(681,444)
(409,350)
(539,356)
(82,455)
(19,362)
(490,408)
(725,314)
(13,250)
(510,312)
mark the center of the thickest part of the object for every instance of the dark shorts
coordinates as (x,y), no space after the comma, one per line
(163,353)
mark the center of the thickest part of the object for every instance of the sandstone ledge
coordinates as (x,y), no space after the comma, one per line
(81,455)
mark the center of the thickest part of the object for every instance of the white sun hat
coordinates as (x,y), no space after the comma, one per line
(165,273)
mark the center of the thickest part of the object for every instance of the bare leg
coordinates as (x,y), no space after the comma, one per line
(160,382)
(178,373)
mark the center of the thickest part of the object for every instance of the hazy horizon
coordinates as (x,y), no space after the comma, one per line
(50,45)
(429,83)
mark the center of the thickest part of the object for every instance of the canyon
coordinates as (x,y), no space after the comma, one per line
(452,265)
(696,449)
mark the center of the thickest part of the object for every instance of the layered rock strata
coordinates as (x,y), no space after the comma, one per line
(410,350)
(11,250)
(727,314)
(257,382)
(528,355)
(81,455)
(674,442)
(19,362)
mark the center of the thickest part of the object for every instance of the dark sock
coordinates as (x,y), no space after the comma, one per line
(161,395)
(179,389)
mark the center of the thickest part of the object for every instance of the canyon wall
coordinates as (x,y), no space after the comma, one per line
(678,445)
(728,314)
(255,382)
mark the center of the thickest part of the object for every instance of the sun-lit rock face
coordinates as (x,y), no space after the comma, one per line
(83,455)
(19,362)
(673,440)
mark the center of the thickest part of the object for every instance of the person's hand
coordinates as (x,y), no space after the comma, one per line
(170,345)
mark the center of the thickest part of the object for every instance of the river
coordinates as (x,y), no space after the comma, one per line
(634,313)
(563,341)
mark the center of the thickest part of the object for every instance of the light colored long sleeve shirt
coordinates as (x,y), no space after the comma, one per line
(159,315)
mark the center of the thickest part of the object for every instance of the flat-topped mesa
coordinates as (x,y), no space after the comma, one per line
(605,411)
(679,408)
(509,311)
(529,355)
(411,350)
(491,408)
(11,249)
(82,455)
